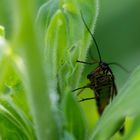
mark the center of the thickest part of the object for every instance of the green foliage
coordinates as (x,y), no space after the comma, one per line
(40,52)
(74,118)
(38,71)
(11,116)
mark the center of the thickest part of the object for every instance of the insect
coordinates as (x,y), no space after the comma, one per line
(102,81)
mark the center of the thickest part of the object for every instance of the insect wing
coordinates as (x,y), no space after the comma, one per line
(105,90)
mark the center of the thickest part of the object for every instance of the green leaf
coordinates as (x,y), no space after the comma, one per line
(75,119)
(67,136)
(30,65)
(45,14)
(10,83)
(2,31)
(6,16)
(13,123)
(126,103)
(61,34)
(67,40)
(134,132)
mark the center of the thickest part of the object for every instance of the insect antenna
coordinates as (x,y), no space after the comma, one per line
(91,36)
(119,65)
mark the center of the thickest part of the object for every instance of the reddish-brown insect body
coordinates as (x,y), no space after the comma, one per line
(102,82)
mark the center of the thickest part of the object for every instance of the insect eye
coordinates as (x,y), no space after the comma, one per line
(104,66)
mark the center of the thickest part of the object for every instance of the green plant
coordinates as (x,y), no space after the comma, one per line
(39,70)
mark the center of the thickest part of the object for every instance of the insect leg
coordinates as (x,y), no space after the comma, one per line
(85,99)
(80,88)
(80,91)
